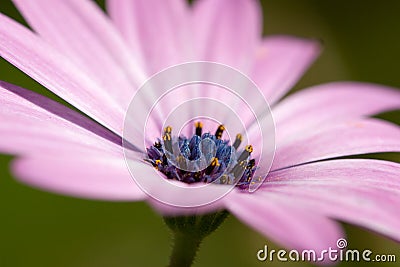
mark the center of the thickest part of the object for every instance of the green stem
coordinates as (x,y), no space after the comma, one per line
(184,250)
(188,232)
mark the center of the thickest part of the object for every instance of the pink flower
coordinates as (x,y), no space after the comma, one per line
(95,64)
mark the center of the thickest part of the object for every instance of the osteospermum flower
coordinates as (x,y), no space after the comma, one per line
(96,64)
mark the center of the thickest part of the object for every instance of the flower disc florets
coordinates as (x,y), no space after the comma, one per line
(227,165)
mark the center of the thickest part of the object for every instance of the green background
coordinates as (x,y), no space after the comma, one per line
(361,42)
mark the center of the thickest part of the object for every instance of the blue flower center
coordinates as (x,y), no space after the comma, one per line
(182,159)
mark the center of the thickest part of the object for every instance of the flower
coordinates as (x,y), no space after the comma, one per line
(95,64)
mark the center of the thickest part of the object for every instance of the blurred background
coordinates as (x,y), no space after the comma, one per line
(361,42)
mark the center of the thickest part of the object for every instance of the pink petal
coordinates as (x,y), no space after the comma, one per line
(157,30)
(176,198)
(280,63)
(88,39)
(227,33)
(370,173)
(359,191)
(55,71)
(26,116)
(170,210)
(84,177)
(184,103)
(350,138)
(323,105)
(285,222)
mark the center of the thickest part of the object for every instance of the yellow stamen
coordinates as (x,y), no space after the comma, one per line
(168,130)
(238,141)
(249,148)
(220,130)
(199,128)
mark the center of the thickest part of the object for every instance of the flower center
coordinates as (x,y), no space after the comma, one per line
(202,158)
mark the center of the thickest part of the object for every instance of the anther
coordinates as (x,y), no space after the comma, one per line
(156,163)
(167,142)
(219,131)
(246,153)
(214,163)
(199,128)
(167,138)
(168,129)
(238,141)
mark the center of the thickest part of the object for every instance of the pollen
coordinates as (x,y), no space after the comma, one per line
(219,131)
(168,130)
